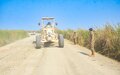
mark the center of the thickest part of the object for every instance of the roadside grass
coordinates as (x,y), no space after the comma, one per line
(107,39)
(8,36)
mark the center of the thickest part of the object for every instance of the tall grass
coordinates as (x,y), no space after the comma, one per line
(107,40)
(8,36)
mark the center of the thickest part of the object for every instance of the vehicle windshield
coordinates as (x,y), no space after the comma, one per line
(48,25)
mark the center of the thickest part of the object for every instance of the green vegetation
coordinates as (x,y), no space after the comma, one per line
(107,39)
(8,36)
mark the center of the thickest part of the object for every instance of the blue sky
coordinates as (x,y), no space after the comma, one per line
(70,14)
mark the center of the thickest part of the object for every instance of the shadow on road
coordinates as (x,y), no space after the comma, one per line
(49,44)
(84,53)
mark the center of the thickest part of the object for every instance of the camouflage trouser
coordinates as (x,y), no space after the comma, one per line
(92,47)
(75,41)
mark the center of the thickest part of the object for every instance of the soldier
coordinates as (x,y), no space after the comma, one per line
(92,40)
(75,38)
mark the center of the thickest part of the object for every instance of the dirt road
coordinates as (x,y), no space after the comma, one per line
(21,58)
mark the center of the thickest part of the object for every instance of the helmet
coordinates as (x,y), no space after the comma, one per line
(90,29)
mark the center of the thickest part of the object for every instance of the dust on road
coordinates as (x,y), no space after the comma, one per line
(21,58)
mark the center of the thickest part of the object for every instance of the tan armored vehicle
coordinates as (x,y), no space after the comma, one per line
(48,33)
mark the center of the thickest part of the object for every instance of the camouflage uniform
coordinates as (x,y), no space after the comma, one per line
(92,42)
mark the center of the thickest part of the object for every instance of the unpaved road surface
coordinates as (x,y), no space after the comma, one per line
(21,58)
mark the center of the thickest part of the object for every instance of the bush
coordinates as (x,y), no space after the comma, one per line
(8,36)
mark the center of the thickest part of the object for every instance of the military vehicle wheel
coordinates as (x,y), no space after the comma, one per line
(38,42)
(61,40)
